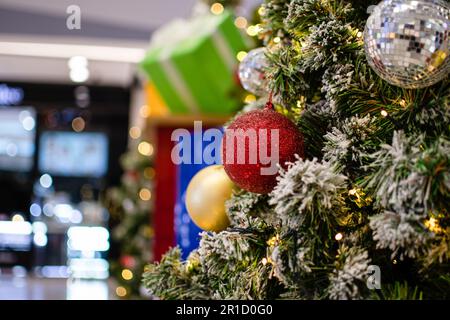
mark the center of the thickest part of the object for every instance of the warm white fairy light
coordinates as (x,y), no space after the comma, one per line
(261,11)
(127,274)
(121,291)
(241,55)
(249,98)
(145,148)
(240,22)
(145,194)
(135,132)
(254,30)
(217,8)
(433,225)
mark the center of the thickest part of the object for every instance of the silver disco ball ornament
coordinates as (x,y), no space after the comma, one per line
(407,42)
(252,72)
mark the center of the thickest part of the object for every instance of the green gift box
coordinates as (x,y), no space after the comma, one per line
(192,64)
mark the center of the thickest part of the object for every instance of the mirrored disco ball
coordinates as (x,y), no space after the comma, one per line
(407,42)
(252,72)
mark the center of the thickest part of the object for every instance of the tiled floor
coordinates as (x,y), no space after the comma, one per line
(30,288)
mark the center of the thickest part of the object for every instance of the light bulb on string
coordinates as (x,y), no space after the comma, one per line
(145,194)
(241,55)
(121,291)
(433,225)
(249,98)
(240,22)
(127,274)
(145,148)
(217,8)
(135,132)
(262,11)
(149,173)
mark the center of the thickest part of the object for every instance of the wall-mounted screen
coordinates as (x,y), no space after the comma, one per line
(17,138)
(72,154)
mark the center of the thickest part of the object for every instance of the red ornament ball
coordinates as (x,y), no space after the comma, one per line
(250,137)
(128,262)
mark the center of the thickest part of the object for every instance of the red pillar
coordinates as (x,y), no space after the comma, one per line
(165,193)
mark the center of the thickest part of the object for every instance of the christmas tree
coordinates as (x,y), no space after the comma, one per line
(364,212)
(130,208)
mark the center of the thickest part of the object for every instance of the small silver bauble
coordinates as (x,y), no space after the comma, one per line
(407,42)
(252,72)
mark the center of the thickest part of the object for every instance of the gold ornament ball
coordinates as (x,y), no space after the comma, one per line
(205,198)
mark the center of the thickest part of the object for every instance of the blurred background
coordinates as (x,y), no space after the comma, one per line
(84,145)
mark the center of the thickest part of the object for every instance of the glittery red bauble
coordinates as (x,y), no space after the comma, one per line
(247,175)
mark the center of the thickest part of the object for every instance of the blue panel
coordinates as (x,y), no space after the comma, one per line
(186,232)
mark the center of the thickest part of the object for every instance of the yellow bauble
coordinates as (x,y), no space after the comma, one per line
(205,198)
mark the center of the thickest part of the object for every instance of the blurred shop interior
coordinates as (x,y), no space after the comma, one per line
(80,131)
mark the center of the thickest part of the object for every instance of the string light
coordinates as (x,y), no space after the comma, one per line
(276,40)
(264,261)
(262,11)
(135,132)
(433,225)
(249,98)
(338,236)
(121,291)
(145,194)
(240,22)
(394,261)
(217,8)
(145,148)
(274,240)
(359,197)
(403,103)
(189,265)
(149,173)
(127,274)
(149,232)
(253,30)
(241,55)
(384,113)
(144,111)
